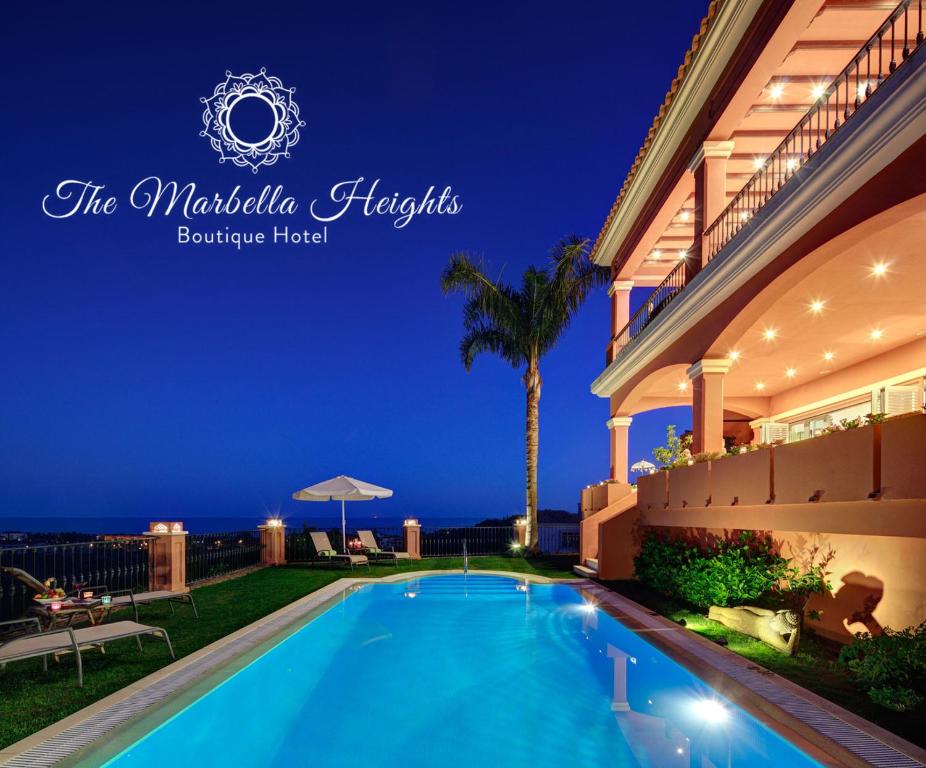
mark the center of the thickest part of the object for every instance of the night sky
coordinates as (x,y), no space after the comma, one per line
(141,377)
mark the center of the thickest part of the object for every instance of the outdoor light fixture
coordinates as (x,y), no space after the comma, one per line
(876,334)
(816,306)
(682,254)
(679,751)
(274,522)
(770,334)
(587,607)
(685,215)
(734,355)
(410,521)
(710,711)
(790,373)
(758,162)
(776,91)
(657,254)
(862,90)
(760,385)
(791,164)
(879,269)
(828,356)
(744,215)
(817,91)
(682,386)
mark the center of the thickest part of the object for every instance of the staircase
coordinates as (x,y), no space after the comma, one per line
(589,570)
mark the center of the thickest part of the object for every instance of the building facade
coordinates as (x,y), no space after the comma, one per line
(771,233)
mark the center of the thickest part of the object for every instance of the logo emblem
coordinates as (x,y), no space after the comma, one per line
(251,120)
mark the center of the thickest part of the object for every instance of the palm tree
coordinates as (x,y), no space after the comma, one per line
(521,326)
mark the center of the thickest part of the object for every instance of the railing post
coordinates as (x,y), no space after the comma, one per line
(167,558)
(520,528)
(272,542)
(411,538)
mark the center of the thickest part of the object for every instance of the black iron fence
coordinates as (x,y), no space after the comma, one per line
(894,42)
(479,539)
(213,554)
(300,548)
(119,563)
(558,538)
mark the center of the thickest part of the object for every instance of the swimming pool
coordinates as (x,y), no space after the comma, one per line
(462,671)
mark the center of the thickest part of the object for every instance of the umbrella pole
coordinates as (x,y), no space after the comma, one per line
(343,528)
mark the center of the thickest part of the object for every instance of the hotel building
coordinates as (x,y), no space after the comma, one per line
(768,252)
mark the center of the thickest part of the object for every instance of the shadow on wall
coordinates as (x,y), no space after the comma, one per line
(854,603)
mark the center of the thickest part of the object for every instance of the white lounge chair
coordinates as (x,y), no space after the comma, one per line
(324,552)
(371,549)
(120,598)
(55,641)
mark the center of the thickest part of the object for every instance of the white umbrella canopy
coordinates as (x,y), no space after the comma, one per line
(342,488)
(643,466)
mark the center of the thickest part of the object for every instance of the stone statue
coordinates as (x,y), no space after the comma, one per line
(779,629)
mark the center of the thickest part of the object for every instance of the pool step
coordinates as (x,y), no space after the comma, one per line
(589,570)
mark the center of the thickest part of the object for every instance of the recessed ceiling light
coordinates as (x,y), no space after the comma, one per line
(816,306)
(734,355)
(776,91)
(828,355)
(760,385)
(876,334)
(685,215)
(790,373)
(770,334)
(682,386)
(657,254)
(758,162)
(879,269)
(817,91)
(682,254)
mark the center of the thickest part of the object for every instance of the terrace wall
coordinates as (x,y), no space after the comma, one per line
(870,513)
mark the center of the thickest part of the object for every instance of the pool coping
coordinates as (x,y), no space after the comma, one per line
(824,730)
(827,732)
(81,731)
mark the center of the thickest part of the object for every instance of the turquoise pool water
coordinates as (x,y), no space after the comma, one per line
(459,670)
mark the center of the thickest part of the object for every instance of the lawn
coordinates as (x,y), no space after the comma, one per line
(31,699)
(813,667)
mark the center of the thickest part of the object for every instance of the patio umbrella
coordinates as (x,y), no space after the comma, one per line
(342,488)
(643,467)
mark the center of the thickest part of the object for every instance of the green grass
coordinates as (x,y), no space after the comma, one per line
(813,667)
(31,699)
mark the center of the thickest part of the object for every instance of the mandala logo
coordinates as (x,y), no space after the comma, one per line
(251,120)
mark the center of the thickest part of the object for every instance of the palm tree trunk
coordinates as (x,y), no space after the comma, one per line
(532,384)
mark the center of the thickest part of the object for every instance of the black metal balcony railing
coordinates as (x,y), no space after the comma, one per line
(891,45)
(118,564)
(654,304)
(887,49)
(480,540)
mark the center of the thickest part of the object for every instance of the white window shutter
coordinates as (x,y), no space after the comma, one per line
(773,432)
(896,400)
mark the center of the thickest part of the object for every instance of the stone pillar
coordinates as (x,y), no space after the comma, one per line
(167,557)
(411,538)
(272,543)
(619,291)
(709,166)
(520,527)
(707,404)
(620,429)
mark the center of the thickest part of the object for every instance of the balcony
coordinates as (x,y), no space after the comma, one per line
(895,41)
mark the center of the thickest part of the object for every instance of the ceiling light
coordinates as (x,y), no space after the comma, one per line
(862,90)
(770,334)
(790,373)
(760,385)
(828,355)
(776,91)
(816,306)
(817,91)
(791,164)
(876,334)
(657,254)
(682,386)
(758,162)
(734,355)
(685,215)
(744,215)
(879,269)
(682,254)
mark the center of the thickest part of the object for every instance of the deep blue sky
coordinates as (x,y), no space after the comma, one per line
(145,378)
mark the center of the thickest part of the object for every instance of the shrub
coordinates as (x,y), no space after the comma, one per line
(729,572)
(890,666)
(676,451)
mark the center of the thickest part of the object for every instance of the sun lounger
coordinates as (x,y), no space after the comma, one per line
(371,549)
(121,598)
(69,640)
(324,552)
